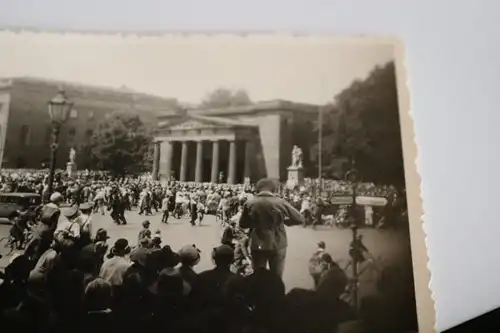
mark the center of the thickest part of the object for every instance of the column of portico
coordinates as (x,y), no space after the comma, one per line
(215,162)
(166,151)
(198,176)
(156,160)
(214,174)
(247,172)
(184,160)
(231,179)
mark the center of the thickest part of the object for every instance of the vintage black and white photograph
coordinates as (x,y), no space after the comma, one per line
(206,183)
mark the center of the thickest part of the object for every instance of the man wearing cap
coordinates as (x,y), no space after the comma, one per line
(85,222)
(265,216)
(68,231)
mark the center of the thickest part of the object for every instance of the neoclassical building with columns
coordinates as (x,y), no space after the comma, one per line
(239,142)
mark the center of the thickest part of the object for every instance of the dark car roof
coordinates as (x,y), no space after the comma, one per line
(20,195)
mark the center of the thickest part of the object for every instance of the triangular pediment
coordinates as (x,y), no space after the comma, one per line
(199,122)
(188,124)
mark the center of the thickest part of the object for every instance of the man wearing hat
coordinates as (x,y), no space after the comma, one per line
(170,283)
(101,235)
(114,268)
(190,257)
(156,240)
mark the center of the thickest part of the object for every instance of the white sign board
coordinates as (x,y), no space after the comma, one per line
(371,201)
(345,200)
(360,200)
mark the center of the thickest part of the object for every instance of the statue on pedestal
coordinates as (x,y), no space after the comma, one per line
(71,165)
(222,177)
(296,170)
(72,155)
(296,157)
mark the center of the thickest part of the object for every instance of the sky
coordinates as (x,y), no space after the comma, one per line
(305,69)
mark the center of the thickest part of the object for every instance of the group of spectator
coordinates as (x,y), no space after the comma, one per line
(63,284)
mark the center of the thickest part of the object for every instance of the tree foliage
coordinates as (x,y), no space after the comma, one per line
(224,97)
(363,124)
(120,145)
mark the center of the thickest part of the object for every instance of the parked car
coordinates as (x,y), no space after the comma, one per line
(11,202)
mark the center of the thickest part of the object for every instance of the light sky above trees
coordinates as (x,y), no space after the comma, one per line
(311,70)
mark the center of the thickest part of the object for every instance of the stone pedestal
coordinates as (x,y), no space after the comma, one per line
(71,169)
(295,177)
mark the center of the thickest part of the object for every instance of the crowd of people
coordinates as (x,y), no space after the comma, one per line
(315,200)
(70,279)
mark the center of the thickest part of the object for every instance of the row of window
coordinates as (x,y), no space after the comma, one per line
(25,135)
(74,114)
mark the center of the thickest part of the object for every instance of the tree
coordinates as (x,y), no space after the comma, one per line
(120,145)
(224,98)
(363,124)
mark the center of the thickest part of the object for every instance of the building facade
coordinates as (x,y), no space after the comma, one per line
(25,126)
(234,144)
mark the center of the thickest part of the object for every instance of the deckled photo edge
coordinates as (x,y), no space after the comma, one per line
(422,275)
(420,257)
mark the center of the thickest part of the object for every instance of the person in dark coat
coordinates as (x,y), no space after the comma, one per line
(43,234)
(170,295)
(193,210)
(209,286)
(320,310)
(266,215)
(117,206)
(91,256)
(229,235)
(32,314)
(97,301)
(189,256)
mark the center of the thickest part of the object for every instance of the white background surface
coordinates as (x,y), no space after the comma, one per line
(453,55)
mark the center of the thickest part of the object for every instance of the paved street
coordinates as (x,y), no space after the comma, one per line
(302,242)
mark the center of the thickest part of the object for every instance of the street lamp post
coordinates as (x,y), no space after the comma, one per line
(320,145)
(59,108)
(353,177)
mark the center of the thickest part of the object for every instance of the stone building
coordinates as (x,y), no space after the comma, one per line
(25,126)
(251,141)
